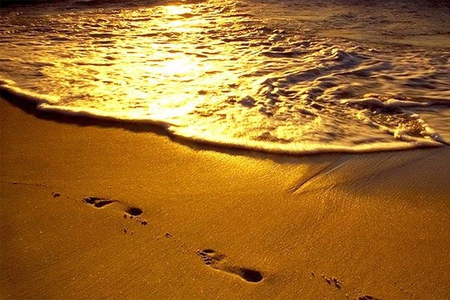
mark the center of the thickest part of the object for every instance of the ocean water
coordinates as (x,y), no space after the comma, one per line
(284,76)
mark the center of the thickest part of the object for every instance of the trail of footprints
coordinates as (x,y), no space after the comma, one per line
(211,258)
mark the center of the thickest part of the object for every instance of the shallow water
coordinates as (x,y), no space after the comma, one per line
(291,77)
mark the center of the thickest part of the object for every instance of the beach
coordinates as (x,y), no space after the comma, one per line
(225,150)
(91,209)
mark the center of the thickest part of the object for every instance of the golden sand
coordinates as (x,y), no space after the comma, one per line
(98,210)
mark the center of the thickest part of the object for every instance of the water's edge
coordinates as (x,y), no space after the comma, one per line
(31,103)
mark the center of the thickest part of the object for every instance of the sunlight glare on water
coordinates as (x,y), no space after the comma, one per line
(177,10)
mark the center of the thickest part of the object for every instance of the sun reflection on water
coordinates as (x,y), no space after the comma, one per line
(142,58)
(167,60)
(177,9)
(214,71)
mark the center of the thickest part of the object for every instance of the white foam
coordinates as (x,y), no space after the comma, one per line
(376,102)
(9,87)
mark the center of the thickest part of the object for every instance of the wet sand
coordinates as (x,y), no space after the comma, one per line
(91,209)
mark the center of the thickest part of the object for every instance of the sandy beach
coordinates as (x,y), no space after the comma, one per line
(95,210)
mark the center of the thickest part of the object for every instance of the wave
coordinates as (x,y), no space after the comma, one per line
(381,114)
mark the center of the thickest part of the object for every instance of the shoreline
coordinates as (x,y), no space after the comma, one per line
(323,226)
(29,104)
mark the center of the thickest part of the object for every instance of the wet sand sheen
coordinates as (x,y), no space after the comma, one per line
(264,226)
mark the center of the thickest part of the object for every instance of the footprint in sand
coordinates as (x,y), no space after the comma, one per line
(220,262)
(100,202)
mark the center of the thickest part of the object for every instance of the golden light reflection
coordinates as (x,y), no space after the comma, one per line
(213,70)
(180,18)
(177,10)
(160,63)
(179,66)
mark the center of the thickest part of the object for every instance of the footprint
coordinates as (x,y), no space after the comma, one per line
(220,262)
(131,211)
(134,211)
(367,297)
(98,202)
(333,281)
